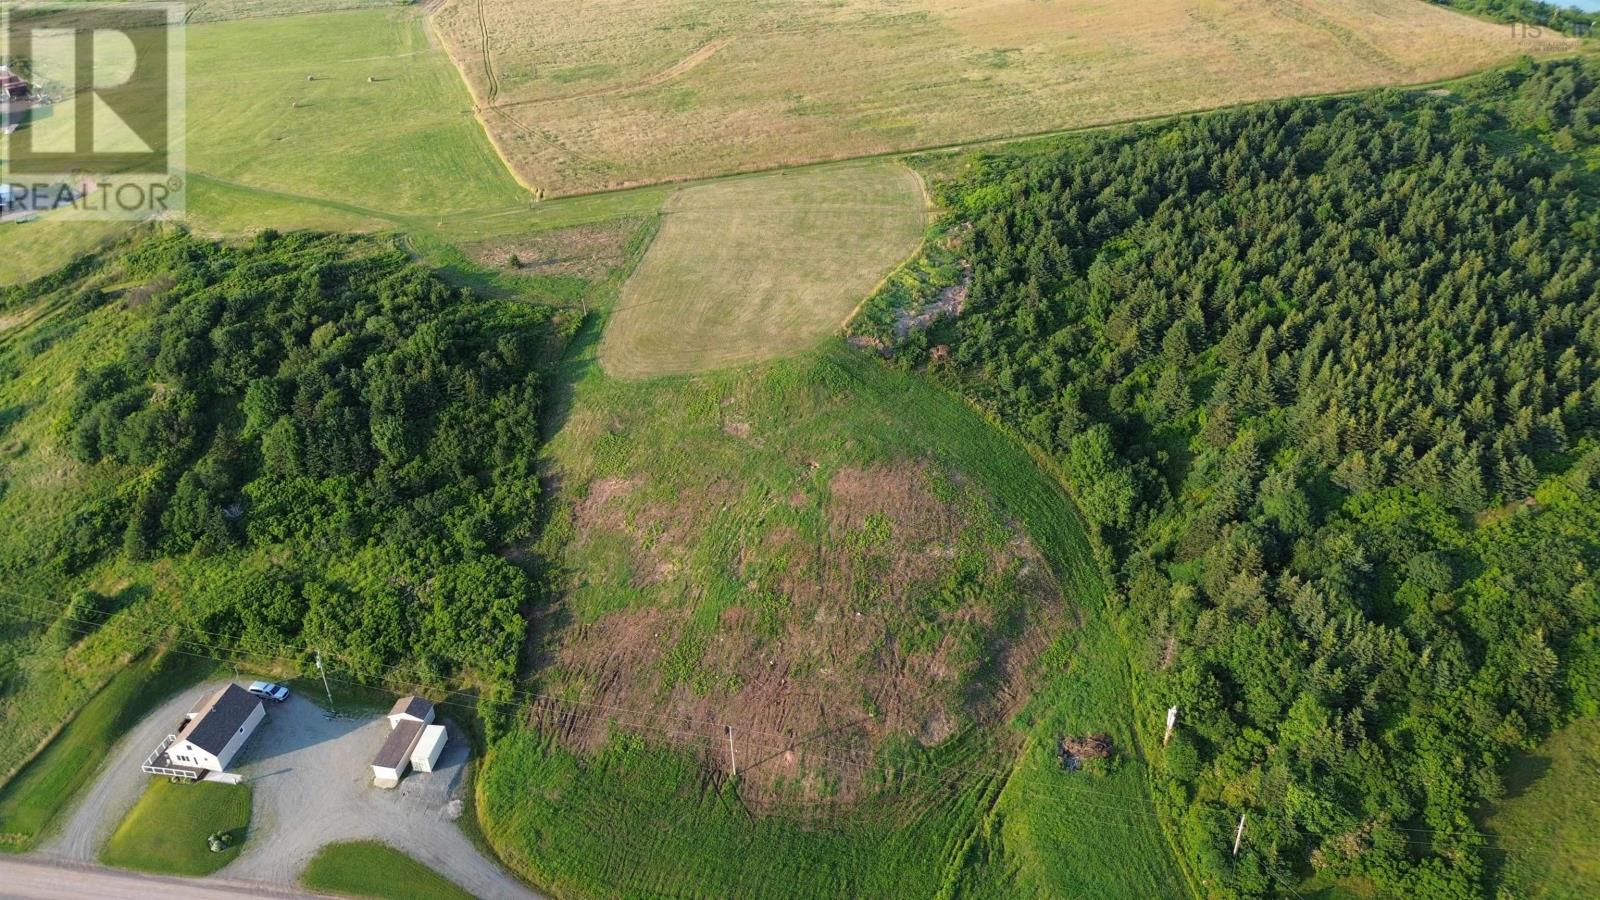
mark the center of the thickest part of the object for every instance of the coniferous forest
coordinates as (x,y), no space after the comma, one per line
(1324,377)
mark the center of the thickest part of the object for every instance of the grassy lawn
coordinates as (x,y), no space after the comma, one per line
(631,93)
(44,788)
(750,269)
(371,869)
(166,830)
(1545,828)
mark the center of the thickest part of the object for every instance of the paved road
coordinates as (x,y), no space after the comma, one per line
(34,878)
(311,777)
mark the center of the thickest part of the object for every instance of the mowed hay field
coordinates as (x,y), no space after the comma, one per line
(755,268)
(610,93)
(356,109)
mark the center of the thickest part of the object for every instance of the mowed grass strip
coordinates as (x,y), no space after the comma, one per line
(372,869)
(354,107)
(167,830)
(756,268)
(45,786)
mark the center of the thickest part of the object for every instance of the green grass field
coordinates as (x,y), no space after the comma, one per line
(755,268)
(222,10)
(351,108)
(371,869)
(40,247)
(1544,830)
(166,831)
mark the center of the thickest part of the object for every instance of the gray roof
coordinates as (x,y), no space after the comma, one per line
(411,706)
(396,747)
(217,719)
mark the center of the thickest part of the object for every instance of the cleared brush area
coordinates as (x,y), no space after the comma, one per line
(755,268)
(890,602)
(582,96)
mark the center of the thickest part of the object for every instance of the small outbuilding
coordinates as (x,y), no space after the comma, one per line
(414,708)
(429,748)
(408,719)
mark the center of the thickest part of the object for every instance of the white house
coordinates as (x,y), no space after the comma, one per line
(407,720)
(216,728)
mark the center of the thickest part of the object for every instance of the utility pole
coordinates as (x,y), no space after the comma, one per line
(1172,722)
(324,673)
(733,761)
(1238,835)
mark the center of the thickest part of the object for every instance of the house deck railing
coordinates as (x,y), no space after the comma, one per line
(153,762)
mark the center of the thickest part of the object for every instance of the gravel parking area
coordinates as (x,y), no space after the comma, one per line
(309,771)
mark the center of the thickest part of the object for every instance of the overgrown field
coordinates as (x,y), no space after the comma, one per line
(754,268)
(892,604)
(581,96)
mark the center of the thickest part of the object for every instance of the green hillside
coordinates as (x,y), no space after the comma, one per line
(1322,374)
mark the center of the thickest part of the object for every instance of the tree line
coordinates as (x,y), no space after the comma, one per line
(1323,374)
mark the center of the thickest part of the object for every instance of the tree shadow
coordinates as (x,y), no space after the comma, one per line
(1524,772)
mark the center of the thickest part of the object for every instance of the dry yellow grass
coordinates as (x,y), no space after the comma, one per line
(610,93)
(755,268)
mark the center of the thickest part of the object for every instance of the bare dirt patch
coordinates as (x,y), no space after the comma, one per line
(890,608)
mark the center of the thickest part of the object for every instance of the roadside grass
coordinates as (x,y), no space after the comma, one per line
(693,88)
(1542,832)
(44,788)
(375,870)
(987,812)
(750,269)
(166,831)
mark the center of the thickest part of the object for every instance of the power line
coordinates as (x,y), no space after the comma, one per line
(789,742)
(956,775)
(961,775)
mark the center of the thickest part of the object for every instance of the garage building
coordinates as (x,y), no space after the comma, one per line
(409,719)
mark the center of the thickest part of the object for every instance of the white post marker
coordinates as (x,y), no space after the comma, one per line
(1238,835)
(733,761)
(324,674)
(1172,722)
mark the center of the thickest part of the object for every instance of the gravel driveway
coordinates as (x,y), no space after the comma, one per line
(119,784)
(312,782)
